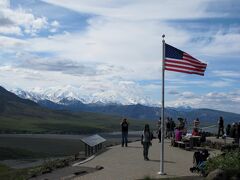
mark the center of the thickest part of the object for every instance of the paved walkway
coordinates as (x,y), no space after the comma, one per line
(123,163)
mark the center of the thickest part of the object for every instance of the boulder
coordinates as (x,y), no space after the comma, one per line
(217,174)
(99,167)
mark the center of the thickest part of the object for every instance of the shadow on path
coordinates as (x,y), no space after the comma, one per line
(135,147)
(164,161)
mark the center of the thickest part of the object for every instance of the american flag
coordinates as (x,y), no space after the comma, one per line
(179,61)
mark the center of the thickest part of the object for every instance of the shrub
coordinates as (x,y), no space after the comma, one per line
(227,161)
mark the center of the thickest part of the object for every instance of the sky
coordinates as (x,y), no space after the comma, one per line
(104,45)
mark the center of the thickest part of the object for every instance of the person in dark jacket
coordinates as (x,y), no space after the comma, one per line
(146,139)
(228,128)
(233,130)
(159,129)
(124,124)
(199,161)
(168,128)
(220,127)
(172,127)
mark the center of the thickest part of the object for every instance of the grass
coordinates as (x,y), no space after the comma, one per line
(64,123)
(17,153)
(27,148)
(4,168)
(53,122)
(7,173)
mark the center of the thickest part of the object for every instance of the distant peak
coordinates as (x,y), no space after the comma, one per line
(126,96)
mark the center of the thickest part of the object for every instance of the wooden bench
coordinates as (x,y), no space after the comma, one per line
(180,144)
(195,141)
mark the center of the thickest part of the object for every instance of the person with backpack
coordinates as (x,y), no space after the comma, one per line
(146,139)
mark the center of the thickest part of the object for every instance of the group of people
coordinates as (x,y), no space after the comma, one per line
(232,131)
(170,127)
(176,132)
(171,132)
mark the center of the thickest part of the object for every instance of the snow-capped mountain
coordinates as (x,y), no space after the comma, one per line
(181,108)
(124,95)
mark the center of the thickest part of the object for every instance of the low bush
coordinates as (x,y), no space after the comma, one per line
(229,161)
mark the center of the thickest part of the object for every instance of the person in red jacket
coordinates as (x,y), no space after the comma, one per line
(195,132)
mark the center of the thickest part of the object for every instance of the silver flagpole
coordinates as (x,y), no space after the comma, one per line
(162,116)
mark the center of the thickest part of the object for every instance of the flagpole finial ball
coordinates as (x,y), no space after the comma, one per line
(163,36)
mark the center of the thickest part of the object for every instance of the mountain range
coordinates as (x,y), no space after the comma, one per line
(70,99)
(125,95)
(18,115)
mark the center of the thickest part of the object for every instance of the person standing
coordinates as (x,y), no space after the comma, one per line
(146,141)
(181,123)
(159,129)
(196,123)
(168,128)
(220,126)
(172,127)
(233,130)
(124,125)
(228,128)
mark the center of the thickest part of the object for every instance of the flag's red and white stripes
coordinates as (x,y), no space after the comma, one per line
(187,64)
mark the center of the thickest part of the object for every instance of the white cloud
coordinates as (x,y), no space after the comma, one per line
(141,9)
(134,47)
(214,100)
(54,26)
(229,74)
(4,3)
(223,43)
(121,34)
(149,17)
(121,42)
(173,92)
(188,94)
(117,87)
(220,84)
(115,38)
(19,21)
(11,43)
(14,30)
(87,86)
(55,23)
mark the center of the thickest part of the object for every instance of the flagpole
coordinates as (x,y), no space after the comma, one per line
(161,172)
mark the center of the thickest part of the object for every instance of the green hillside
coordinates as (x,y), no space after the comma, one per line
(58,122)
(24,116)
